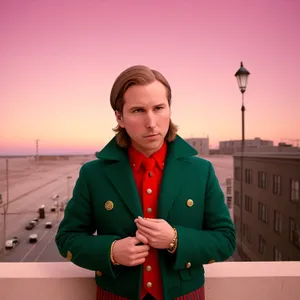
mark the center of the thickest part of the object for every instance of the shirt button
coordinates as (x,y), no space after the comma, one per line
(188,265)
(148,268)
(149,210)
(149,284)
(149,191)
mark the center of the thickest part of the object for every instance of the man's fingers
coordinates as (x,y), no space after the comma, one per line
(154,220)
(145,231)
(141,237)
(146,223)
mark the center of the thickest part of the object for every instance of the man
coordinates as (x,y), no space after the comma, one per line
(158,210)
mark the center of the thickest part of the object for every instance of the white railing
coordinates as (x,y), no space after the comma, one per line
(224,281)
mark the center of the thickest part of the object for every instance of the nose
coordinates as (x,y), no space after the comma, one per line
(150,120)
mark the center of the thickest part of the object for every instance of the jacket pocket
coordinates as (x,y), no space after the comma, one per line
(185,275)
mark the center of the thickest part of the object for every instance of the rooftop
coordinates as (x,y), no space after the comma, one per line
(226,280)
(281,155)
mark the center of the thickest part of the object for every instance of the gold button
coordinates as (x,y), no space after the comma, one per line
(109,205)
(149,284)
(190,203)
(149,191)
(211,261)
(99,273)
(188,265)
(69,256)
(148,268)
(149,210)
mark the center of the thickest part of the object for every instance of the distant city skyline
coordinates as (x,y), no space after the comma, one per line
(59,60)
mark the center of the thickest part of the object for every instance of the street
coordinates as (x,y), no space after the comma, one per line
(22,211)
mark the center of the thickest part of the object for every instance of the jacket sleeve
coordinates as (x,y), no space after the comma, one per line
(217,239)
(75,237)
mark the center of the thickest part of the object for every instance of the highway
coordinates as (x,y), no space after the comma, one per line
(22,211)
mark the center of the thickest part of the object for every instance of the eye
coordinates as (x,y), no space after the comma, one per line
(137,110)
(159,108)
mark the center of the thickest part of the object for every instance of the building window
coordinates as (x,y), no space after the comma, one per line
(262,179)
(237,173)
(277,222)
(294,232)
(277,184)
(229,201)
(248,176)
(237,198)
(194,144)
(262,212)
(261,245)
(237,224)
(248,204)
(228,190)
(277,255)
(247,233)
(295,190)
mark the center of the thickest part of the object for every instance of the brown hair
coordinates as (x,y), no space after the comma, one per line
(140,75)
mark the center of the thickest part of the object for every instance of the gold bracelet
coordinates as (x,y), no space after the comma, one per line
(112,254)
(173,245)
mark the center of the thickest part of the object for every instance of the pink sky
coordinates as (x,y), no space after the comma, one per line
(59,60)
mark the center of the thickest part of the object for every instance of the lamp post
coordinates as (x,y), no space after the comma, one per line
(242,79)
(68,187)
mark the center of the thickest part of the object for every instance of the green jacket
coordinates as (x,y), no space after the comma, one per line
(205,230)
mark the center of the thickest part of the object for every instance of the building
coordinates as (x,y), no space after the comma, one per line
(200,144)
(267,216)
(233,146)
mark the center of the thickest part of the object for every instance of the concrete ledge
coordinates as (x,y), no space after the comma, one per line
(224,281)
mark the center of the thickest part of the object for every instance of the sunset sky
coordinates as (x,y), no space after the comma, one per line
(59,58)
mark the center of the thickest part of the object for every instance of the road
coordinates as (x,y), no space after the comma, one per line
(24,209)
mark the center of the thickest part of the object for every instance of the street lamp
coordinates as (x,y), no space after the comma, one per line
(68,187)
(242,79)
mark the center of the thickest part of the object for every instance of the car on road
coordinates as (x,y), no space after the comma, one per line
(31,225)
(53,208)
(12,243)
(48,225)
(33,238)
(35,219)
(55,196)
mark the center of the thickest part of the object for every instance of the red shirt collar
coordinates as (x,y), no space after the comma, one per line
(136,158)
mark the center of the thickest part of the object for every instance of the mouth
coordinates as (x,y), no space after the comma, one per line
(152,135)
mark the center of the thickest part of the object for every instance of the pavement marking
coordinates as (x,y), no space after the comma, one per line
(29,251)
(50,240)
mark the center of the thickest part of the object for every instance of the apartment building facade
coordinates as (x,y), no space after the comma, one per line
(267,216)
(233,146)
(200,144)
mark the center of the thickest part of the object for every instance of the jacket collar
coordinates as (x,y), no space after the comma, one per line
(177,149)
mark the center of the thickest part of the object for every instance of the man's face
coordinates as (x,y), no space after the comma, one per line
(146,116)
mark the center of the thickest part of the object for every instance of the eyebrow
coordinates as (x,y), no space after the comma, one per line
(142,107)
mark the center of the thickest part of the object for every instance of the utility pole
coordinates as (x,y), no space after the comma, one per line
(68,187)
(5,208)
(37,152)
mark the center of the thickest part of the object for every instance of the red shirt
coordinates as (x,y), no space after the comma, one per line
(148,180)
(148,174)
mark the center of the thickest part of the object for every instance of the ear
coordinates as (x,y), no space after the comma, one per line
(119,118)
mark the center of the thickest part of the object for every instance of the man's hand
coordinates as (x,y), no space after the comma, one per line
(158,232)
(128,253)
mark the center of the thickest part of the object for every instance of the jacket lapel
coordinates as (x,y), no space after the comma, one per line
(122,179)
(174,179)
(175,174)
(118,170)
